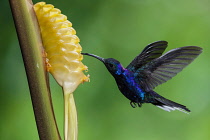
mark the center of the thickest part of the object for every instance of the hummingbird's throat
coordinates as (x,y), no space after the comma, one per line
(119,70)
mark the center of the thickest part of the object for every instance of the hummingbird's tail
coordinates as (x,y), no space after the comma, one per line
(166,104)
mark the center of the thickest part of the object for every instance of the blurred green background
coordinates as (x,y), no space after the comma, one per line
(118,29)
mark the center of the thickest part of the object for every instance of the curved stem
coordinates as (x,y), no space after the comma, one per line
(32,51)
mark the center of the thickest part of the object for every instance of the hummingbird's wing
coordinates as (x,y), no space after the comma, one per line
(162,69)
(150,52)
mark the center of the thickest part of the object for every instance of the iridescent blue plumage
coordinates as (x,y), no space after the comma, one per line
(148,70)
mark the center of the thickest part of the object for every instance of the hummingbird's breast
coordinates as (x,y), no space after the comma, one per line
(129,88)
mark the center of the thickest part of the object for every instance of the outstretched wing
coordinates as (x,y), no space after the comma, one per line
(162,69)
(150,52)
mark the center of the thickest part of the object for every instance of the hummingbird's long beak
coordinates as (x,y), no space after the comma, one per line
(99,58)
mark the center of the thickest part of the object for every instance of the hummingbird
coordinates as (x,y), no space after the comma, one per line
(148,70)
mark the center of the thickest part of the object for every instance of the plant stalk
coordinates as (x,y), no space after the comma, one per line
(33,56)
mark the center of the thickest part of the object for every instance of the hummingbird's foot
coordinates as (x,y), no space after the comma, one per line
(139,104)
(133,104)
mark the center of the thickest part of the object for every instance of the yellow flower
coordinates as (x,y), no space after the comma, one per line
(61,46)
(63,57)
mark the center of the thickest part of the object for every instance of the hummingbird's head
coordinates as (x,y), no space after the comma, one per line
(114,66)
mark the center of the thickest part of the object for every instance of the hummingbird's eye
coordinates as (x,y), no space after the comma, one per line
(111,65)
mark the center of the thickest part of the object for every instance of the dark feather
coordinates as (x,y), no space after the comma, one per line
(150,52)
(162,69)
(167,104)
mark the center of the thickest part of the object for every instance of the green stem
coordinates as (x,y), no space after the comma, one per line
(32,51)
